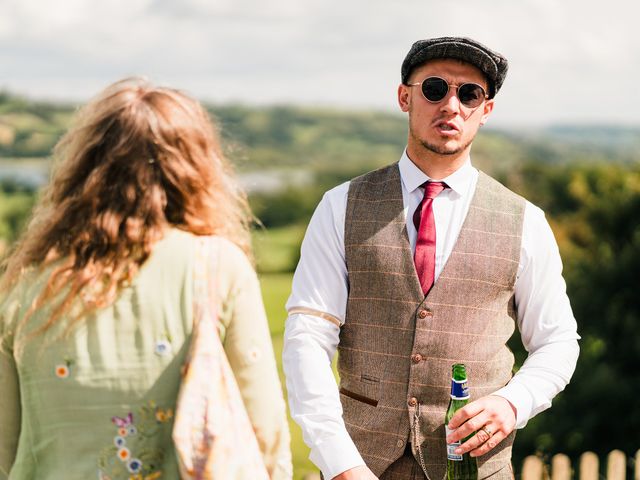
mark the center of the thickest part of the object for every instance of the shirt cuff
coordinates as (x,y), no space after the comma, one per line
(520,398)
(335,454)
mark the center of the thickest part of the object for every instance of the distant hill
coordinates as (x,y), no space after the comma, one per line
(286,137)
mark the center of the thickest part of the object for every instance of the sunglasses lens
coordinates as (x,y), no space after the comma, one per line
(471,95)
(434,89)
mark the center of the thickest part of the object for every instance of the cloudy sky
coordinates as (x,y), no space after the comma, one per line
(571,61)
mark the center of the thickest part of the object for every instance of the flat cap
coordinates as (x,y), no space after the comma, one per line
(492,64)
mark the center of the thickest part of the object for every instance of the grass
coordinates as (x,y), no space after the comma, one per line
(275,290)
(277,249)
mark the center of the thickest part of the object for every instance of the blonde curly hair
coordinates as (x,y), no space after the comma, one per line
(138,159)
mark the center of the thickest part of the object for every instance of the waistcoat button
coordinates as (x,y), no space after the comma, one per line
(425,314)
(413,401)
(400,443)
(416,358)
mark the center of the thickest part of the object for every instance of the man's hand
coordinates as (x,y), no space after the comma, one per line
(491,418)
(361,472)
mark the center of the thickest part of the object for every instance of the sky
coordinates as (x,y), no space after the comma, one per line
(570,61)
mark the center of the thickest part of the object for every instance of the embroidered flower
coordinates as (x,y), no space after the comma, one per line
(131,451)
(134,465)
(163,415)
(123,454)
(163,348)
(62,370)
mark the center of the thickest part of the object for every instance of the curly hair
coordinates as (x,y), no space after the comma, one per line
(137,160)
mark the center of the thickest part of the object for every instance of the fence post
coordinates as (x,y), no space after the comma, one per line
(616,465)
(532,468)
(636,475)
(589,466)
(560,467)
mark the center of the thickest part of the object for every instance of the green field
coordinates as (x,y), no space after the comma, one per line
(275,290)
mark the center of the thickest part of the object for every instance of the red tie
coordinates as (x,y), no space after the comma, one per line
(425,256)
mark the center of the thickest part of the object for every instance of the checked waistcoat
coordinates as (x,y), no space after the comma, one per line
(397,346)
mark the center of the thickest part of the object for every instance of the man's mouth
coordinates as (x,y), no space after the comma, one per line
(447,128)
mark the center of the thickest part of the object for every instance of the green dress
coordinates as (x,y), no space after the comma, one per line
(99,401)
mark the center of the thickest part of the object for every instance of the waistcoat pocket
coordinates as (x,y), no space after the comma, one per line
(364,388)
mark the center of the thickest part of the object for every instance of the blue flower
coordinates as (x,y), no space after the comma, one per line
(119,441)
(163,347)
(132,430)
(134,465)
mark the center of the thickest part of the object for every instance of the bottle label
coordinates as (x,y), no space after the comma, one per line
(451,447)
(459,389)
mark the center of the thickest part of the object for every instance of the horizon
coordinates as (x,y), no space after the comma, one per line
(337,109)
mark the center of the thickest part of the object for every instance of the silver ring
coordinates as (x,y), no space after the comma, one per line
(487,430)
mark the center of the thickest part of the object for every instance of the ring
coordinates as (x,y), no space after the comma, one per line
(487,430)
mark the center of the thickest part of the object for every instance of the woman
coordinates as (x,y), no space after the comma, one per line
(98,296)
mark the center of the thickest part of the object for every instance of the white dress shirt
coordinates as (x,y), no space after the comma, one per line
(320,289)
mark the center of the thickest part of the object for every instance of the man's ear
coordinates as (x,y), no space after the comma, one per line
(404,97)
(486,111)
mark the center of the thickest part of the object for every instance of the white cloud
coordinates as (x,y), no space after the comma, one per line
(570,61)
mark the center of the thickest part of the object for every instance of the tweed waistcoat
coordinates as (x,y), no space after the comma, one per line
(397,346)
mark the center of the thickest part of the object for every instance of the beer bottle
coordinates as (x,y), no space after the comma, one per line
(459,467)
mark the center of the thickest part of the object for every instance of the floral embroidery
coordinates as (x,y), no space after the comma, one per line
(124,453)
(164,415)
(123,423)
(134,465)
(163,348)
(63,370)
(132,454)
(163,345)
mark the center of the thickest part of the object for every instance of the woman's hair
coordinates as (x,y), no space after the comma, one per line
(137,160)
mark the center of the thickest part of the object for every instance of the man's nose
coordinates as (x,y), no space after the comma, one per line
(451,103)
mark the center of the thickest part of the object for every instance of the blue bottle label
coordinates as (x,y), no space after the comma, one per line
(459,389)
(451,455)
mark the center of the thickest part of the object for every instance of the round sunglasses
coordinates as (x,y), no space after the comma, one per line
(434,89)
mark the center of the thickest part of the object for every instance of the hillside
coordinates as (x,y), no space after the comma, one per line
(286,137)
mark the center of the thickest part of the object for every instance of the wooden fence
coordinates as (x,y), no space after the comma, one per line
(560,468)
(588,467)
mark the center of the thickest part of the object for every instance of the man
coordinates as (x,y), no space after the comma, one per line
(417,266)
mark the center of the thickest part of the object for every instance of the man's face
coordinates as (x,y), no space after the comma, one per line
(446,127)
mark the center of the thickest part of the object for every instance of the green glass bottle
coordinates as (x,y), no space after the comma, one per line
(459,467)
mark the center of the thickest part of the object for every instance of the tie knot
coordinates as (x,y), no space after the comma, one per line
(433,189)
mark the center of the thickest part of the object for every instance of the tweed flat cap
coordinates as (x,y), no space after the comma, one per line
(492,64)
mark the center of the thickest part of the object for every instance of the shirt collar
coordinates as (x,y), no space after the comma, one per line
(412,177)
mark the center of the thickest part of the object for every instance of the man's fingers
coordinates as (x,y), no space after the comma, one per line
(468,428)
(465,413)
(482,436)
(490,443)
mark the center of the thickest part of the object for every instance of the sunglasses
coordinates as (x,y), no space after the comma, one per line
(434,89)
